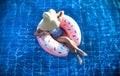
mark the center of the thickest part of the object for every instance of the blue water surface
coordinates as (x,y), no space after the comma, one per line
(21,55)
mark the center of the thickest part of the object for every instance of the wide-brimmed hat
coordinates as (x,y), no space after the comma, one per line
(49,21)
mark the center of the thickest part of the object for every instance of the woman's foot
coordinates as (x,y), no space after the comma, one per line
(78,57)
(73,45)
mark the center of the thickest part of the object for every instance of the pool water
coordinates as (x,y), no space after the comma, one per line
(21,55)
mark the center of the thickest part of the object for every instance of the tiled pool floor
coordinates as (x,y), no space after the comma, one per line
(21,55)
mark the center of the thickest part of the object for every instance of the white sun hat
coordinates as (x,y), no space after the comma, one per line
(49,21)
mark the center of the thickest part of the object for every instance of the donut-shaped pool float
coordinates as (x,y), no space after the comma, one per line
(55,48)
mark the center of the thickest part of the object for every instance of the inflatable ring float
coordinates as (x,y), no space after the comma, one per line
(55,48)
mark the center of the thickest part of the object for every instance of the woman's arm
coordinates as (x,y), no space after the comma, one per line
(40,33)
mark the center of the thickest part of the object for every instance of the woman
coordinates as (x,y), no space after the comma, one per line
(51,26)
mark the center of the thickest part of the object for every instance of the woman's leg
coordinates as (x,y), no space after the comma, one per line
(70,44)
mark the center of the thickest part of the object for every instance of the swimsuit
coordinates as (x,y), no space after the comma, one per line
(57,32)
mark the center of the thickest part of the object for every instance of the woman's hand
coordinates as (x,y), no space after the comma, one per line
(60,15)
